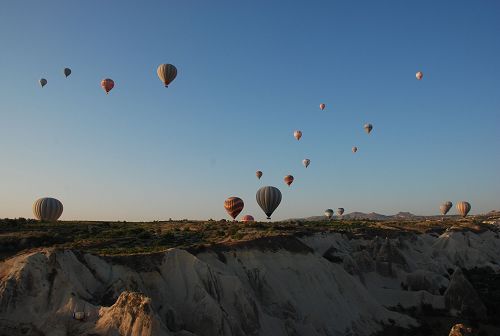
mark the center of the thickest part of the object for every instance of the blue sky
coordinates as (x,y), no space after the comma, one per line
(250,73)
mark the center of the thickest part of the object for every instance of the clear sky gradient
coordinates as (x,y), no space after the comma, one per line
(250,73)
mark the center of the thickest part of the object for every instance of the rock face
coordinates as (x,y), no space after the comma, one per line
(320,285)
(461,330)
(461,297)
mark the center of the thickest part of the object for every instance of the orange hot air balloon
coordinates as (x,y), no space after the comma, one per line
(247,218)
(288,179)
(419,75)
(463,208)
(233,206)
(322,106)
(297,135)
(107,84)
(354,149)
(258,173)
(368,128)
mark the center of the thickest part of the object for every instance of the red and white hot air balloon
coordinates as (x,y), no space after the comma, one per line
(288,179)
(247,218)
(107,84)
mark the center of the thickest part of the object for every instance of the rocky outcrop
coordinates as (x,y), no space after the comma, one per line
(318,285)
(460,297)
(461,330)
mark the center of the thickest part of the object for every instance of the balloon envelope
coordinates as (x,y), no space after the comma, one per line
(306,162)
(247,218)
(354,149)
(340,211)
(47,209)
(233,206)
(322,106)
(166,73)
(297,135)
(107,84)
(445,207)
(288,179)
(67,72)
(42,82)
(329,213)
(258,173)
(268,199)
(419,75)
(368,128)
(463,208)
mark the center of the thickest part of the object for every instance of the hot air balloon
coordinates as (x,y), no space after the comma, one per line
(166,73)
(340,211)
(368,128)
(306,162)
(297,135)
(42,82)
(288,179)
(107,84)
(322,106)
(258,173)
(419,75)
(233,206)
(67,72)
(247,218)
(268,199)
(463,208)
(354,149)
(329,213)
(445,207)
(47,209)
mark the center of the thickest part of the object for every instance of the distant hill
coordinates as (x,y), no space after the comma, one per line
(369,216)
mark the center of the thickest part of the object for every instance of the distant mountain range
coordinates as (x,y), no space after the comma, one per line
(370,216)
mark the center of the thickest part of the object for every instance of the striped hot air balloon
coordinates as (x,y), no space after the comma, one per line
(166,73)
(419,75)
(42,82)
(233,206)
(463,208)
(297,135)
(445,207)
(354,149)
(288,179)
(268,199)
(368,128)
(329,213)
(67,72)
(258,173)
(247,218)
(107,84)
(306,162)
(322,106)
(47,209)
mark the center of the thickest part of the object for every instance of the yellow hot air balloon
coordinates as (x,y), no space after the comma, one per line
(47,209)
(166,73)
